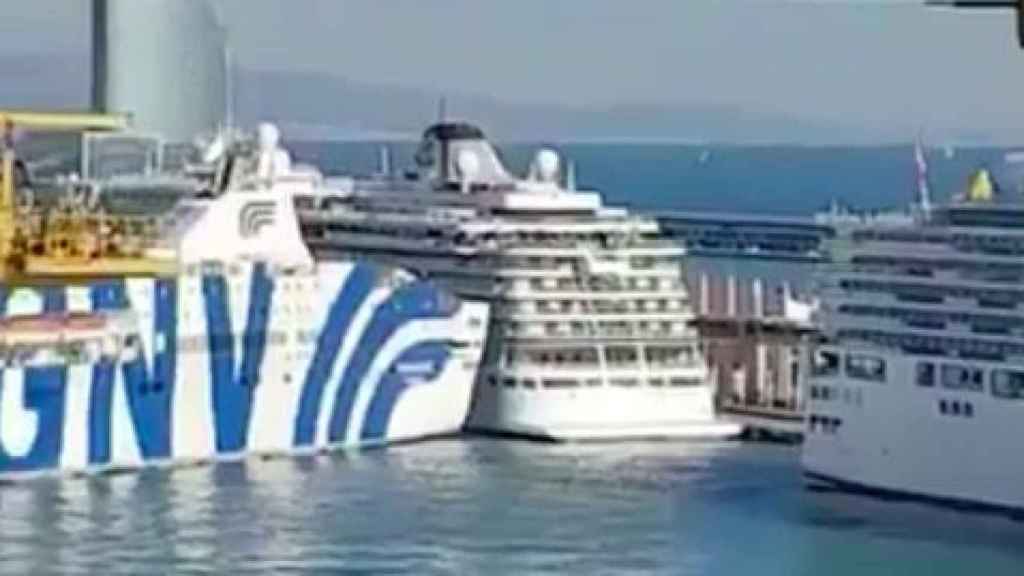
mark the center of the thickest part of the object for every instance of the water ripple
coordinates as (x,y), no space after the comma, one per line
(483,506)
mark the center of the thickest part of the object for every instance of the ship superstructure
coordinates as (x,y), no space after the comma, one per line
(590,336)
(213,333)
(919,388)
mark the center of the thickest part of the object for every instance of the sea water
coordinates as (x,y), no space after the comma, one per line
(483,506)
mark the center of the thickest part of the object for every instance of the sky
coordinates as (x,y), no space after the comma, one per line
(889,66)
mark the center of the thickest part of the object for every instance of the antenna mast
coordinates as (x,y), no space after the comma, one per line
(924,196)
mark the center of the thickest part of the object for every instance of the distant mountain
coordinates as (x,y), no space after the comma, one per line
(352,109)
(44,80)
(320,106)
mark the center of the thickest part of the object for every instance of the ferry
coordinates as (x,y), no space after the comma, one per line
(211,332)
(590,336)
(918,390)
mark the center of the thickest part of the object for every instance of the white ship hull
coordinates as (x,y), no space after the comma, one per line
(238,361)
(896,438)
(598,414)
(594,405)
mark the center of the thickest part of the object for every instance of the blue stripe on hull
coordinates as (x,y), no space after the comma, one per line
(889,494)
(55,299)
(233,393)
(149,379)
(149,394)
(416,301)
(45,394)
(101,400)
(353,293)
(393,384)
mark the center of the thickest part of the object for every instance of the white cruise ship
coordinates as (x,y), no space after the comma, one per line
(590,335)
(919,389)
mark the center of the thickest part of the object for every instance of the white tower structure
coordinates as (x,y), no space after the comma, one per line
(163,61)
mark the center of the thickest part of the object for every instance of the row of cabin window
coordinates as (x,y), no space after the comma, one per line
(599,284)
(530,383)
(1002,245)
(600,306)
(978,323)
(630,284)
(579,328)
(997,243)
(857,366)
(994,351)
(909,292)
(1004,383)
(617,355)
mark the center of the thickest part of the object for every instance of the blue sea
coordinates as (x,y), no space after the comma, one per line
(780,180)
(485,506)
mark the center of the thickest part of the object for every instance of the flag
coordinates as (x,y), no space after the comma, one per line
(923,192)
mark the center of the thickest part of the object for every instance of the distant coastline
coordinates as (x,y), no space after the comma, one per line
(324,107)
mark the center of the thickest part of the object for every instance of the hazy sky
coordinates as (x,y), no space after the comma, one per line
(882,63)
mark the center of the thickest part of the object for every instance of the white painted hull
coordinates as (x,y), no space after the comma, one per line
(240,362)
(599,413)
(894,438)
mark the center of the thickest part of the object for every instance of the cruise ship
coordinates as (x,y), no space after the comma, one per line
(213,333)
(918,390)
(589,337)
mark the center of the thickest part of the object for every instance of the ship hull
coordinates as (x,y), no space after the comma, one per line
(593,405)
(897,439)
(597,414)
(824,482)
(237,361)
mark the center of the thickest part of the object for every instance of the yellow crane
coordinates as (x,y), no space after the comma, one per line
(46,245)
